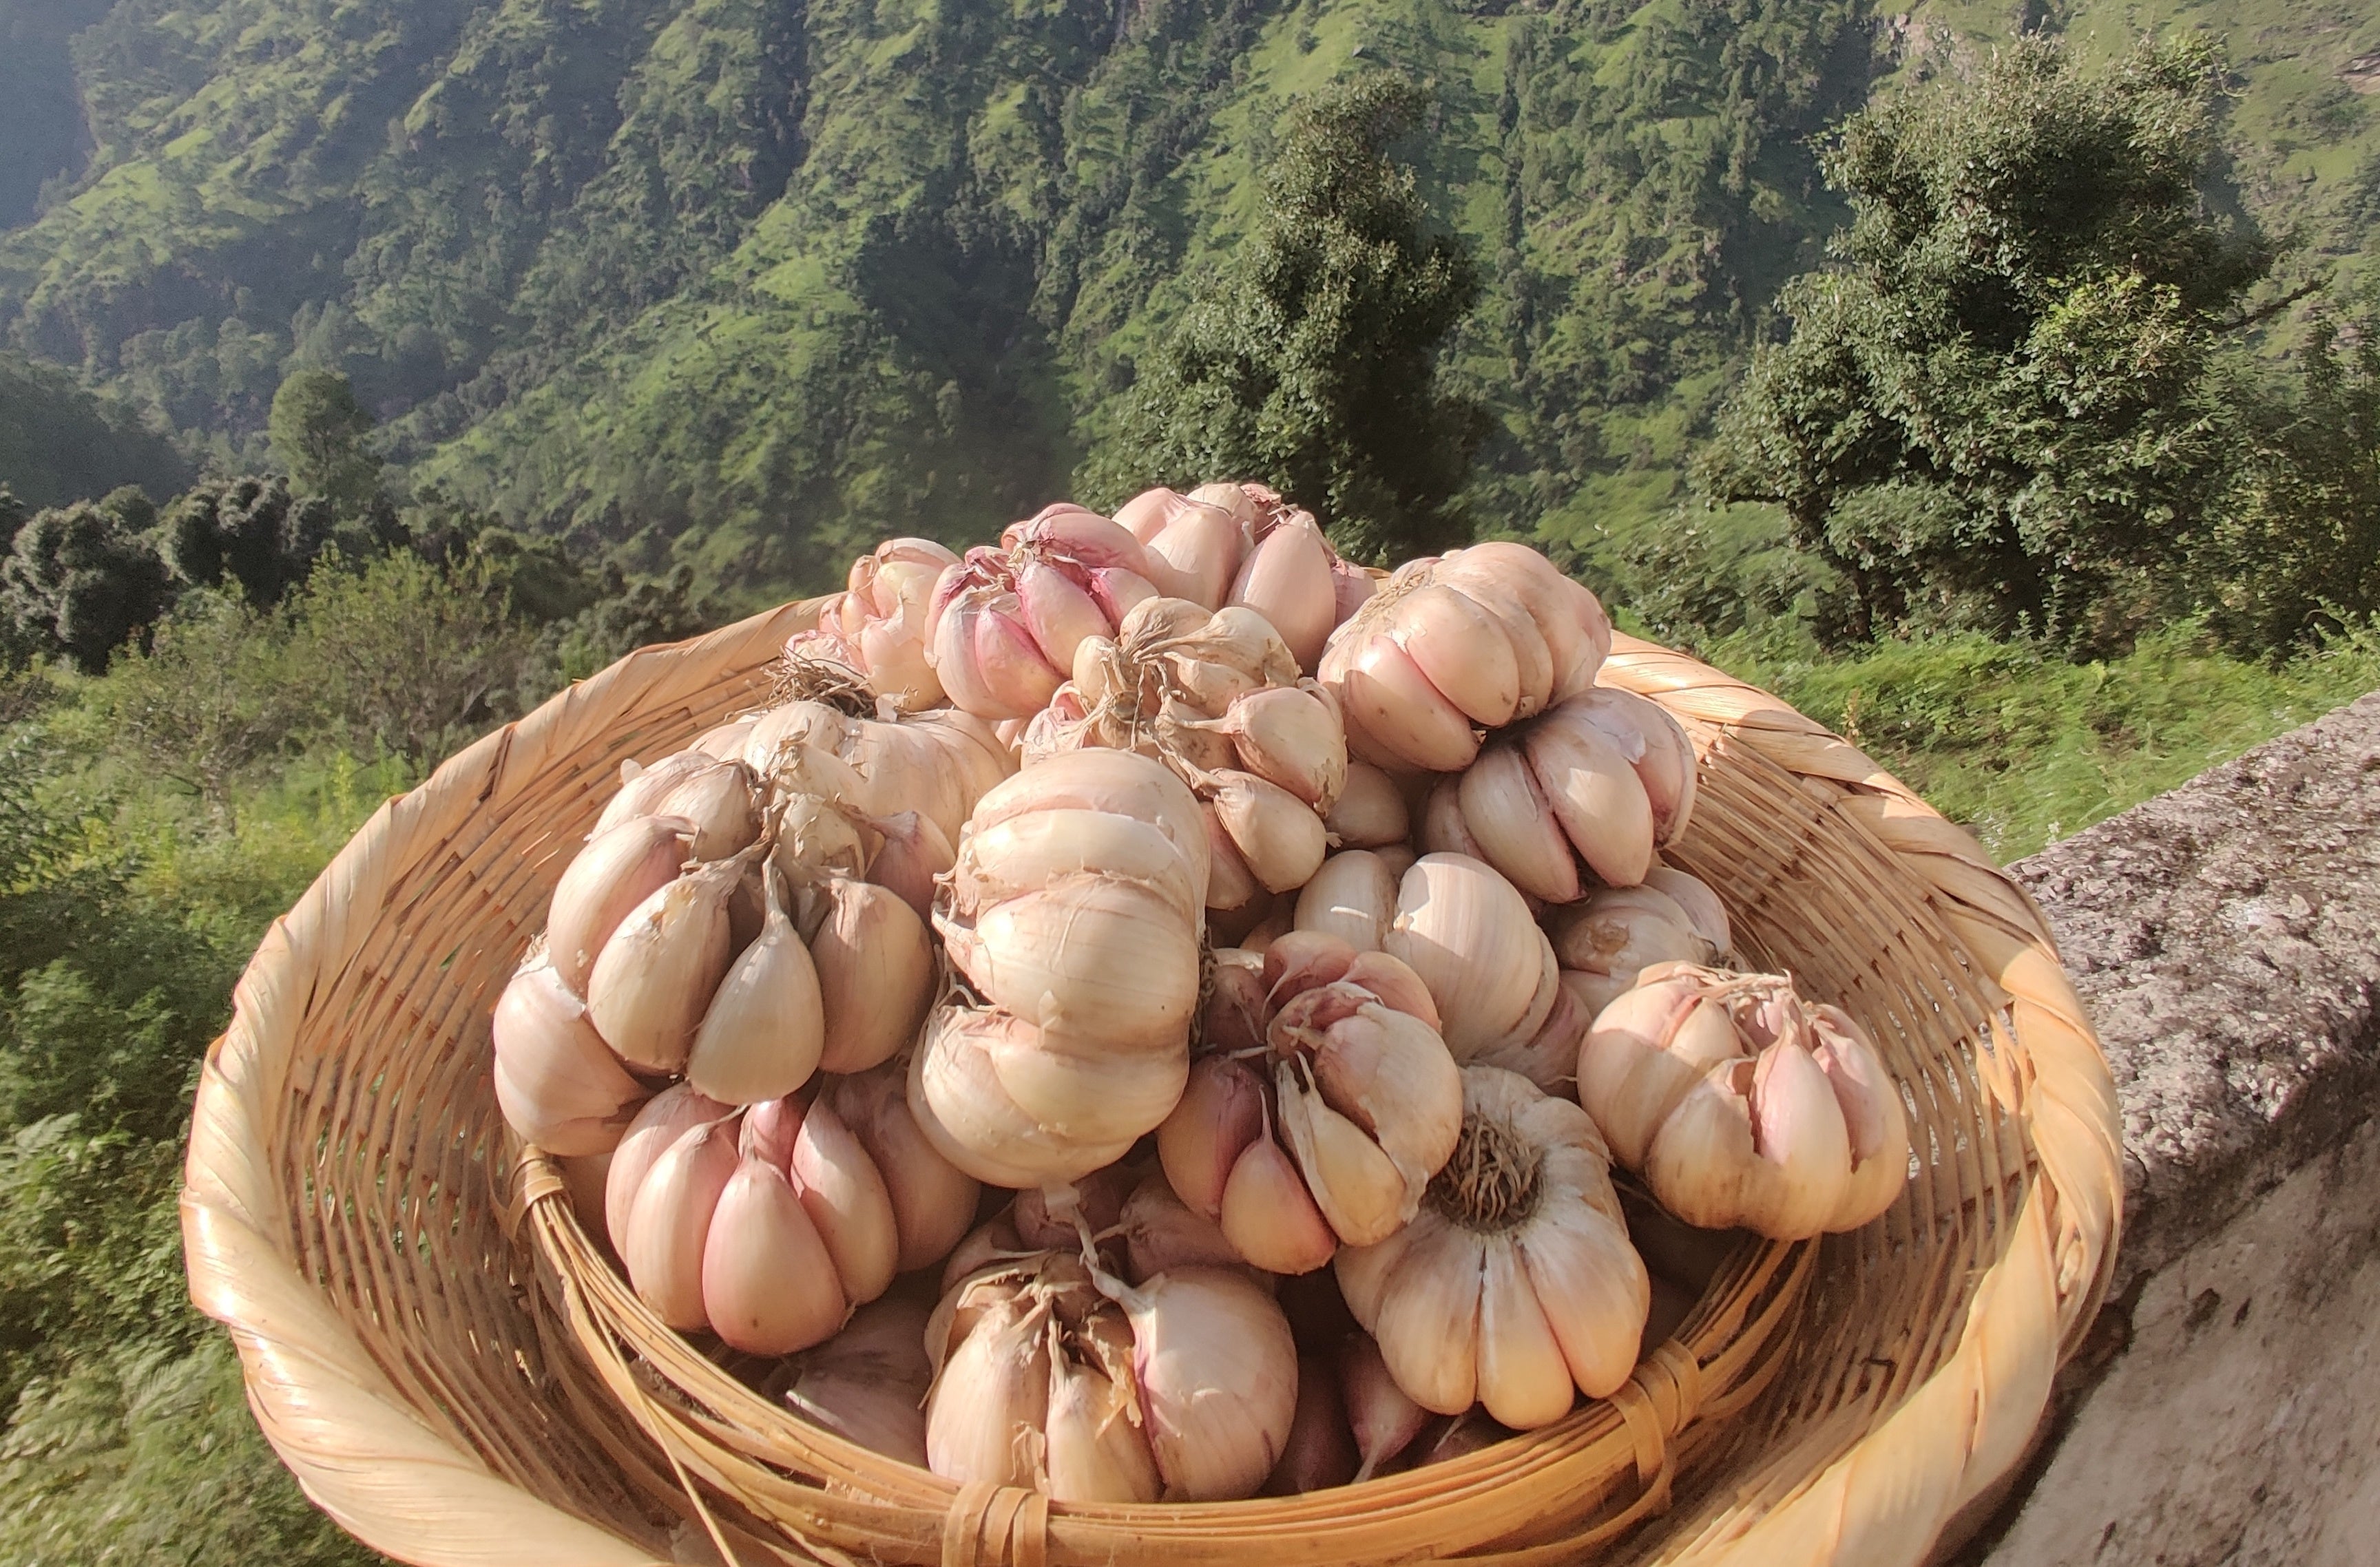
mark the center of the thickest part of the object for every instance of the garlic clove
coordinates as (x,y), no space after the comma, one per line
(1797,1124)
(724,740)
(1358,1188)
(1286,579)
(762,1033)
(1145,515)
(641,788)
(1466,933)
(1390,1073)
(1278,835)
(720,799)
(768,1284)
(1523,1380)
(1383,693)
(1655,745)
(1269,1217)
(1089,957)
(1396,985)
(915,851)
(1444,829)
(1370,809)
(1160,1233)
(670,1215)
(1094,1097)
(1508,818)
(1363,1273)
(1117,783)
(1872,1113)
(558,1084)
(1095,1451)
(875,966)
(1199,550)
(1320,1451)
(1220,1114)
(1018,674)
(1643,1055)
(1622,931)
(933,1201)
(1233,885)
(1594,1291)
(656,974)
(1383,1418)
(666,1117)
(1218,1374)
(1024,853)
(847,1201)
(1428,1317)
(1058,613)
(1351,897)
(867,1383)
(969,1118)
(1462,650)
(1593,794)
(1704,913)
(1291,737)
(991,1400)
(1550,1057)
(617,870)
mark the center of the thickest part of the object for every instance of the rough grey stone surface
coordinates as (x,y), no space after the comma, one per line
(2226,937)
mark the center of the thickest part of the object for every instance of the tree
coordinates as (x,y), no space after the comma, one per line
(253,531)
(2002,405)
(1309,361)
(317,430)
(81,579)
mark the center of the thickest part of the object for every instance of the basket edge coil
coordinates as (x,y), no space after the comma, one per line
(389,1477)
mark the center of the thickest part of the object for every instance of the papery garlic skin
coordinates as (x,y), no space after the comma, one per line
(1745,1106)
(1614,933)
(1516,1280)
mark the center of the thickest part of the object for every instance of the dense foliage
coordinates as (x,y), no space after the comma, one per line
(2003,403)
(1309,363)
(58,444)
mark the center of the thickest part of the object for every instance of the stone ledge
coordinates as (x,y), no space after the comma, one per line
(2226,937)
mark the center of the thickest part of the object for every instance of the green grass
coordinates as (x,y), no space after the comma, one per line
(2023,748)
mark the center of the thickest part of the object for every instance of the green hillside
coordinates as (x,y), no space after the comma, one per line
(59,444)
(743,284)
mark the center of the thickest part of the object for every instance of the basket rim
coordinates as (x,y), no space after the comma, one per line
(391,1477)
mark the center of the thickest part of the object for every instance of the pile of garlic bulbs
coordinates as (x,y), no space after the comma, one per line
(1151,1011)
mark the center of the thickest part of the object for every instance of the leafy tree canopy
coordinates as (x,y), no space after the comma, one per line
(2002,404)
(1310,362)
(318,431)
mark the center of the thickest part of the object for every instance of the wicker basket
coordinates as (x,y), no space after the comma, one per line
(454,1374)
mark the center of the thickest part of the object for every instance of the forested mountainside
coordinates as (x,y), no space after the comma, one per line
(747,281)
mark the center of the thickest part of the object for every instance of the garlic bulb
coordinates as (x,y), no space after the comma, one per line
(1467,932)
(1589,789)
(1289,575)
(1353,897)
(1193,546)
(1612,934)
(1477,639)
(1516,1280)
(1217,698)
(1057,1377)
(871,770)
(1743,1105)
(877,625)
(1003,624)
(767,1225)
(1330,1134)
(1370,811)
(558,1084)
(1382,1418)
(1074,913)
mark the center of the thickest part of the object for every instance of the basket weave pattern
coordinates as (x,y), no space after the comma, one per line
(456,1377)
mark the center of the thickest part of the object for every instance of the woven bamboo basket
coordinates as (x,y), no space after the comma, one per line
(450,1368)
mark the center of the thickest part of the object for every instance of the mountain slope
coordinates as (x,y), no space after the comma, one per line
(748,281)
